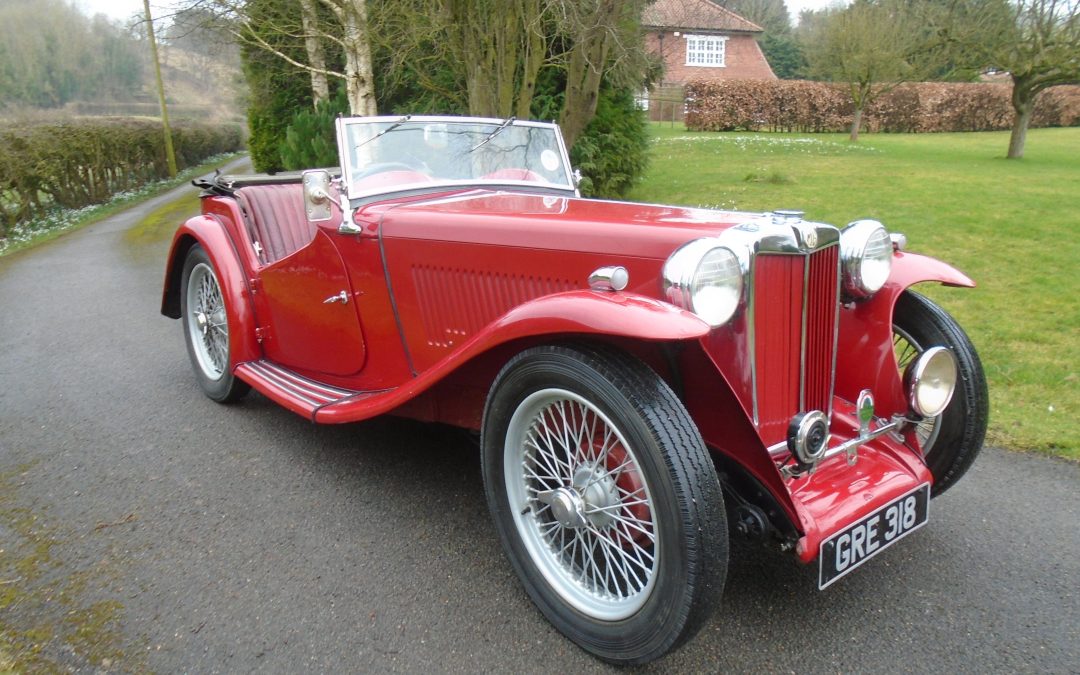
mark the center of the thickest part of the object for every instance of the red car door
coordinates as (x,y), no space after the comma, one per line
(314,324)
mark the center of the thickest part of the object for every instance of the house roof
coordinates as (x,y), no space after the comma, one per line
(695,15)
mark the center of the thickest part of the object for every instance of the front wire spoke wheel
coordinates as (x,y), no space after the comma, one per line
(605,499)
(951,441)
(581,506)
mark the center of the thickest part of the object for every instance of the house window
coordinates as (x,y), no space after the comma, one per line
(706,50)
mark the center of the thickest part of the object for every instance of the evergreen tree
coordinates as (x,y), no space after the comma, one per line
(277,90)
(310,141)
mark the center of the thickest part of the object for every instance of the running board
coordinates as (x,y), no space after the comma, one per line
(299,394)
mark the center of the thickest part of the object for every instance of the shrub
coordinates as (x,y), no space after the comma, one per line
(614,150)
(77,163)
(898,112)
(803,106)
(310,139)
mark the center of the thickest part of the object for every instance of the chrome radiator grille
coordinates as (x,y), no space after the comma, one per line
(795,309)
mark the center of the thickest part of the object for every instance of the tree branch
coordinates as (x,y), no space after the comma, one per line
(257,40)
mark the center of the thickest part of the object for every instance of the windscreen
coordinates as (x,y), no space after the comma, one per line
(392,154)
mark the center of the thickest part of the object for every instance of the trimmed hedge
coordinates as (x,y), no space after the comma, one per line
(804,106)
(78,163)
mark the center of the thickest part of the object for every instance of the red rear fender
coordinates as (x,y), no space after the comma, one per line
(207,232)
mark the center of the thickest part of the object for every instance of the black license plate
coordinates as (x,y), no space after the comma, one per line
(846,550)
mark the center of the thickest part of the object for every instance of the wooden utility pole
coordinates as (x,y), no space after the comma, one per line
(170,155)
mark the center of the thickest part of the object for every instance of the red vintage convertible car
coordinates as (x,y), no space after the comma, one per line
(647,381)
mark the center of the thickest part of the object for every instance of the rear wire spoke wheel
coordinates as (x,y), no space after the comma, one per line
(606,500)
(951,441)
(206,328)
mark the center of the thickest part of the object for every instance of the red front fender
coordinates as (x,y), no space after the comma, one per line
(596,312)
(571,313)
(865,356)
(210,234)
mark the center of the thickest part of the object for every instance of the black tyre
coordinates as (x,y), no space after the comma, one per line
(206,329)
(952,440)
(606,500)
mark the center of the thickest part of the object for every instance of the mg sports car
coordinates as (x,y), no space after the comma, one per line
(646,382)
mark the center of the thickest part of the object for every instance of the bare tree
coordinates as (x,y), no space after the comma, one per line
(871,46)
(497,48)
(1040,49)
(1037,42)
(494,48)
(344,23)
(309,19)
(772,15)
(170,155)
(500,45)
(602,37)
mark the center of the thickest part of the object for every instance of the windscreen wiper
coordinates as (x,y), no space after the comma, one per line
(385,131)
(493,134)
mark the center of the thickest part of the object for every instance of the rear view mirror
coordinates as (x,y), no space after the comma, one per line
(317,199)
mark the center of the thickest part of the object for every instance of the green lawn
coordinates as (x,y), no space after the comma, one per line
(1011,225)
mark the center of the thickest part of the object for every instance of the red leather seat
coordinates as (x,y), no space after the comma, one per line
(276,219)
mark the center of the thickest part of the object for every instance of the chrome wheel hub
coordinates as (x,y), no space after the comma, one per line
(589,502)
(598,494)
(567,506)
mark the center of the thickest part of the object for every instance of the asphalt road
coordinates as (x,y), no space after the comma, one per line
(144,527)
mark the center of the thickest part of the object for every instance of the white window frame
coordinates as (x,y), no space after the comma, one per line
(706,51)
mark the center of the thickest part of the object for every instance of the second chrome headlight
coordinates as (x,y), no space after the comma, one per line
(706,278)
(866,254)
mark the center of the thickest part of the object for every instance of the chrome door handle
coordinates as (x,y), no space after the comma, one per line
(341,297)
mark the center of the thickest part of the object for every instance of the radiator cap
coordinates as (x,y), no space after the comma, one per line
(788,214)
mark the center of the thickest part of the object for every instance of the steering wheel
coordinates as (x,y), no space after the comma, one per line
(382,167)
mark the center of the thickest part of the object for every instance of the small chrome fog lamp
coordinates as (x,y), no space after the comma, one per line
(808,437)
(930,381)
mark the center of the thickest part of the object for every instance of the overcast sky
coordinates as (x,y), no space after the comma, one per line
(124,9)
(115,9)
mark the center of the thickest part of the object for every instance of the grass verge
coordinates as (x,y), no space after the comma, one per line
(32,233)
(1009,224)
(162,222)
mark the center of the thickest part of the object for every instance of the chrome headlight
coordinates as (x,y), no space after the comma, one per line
(706,278)
(930,381)
(866,255)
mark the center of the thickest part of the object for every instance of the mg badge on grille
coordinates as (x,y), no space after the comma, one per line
(810,237)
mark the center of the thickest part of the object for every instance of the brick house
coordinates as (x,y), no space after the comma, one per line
(698,39)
